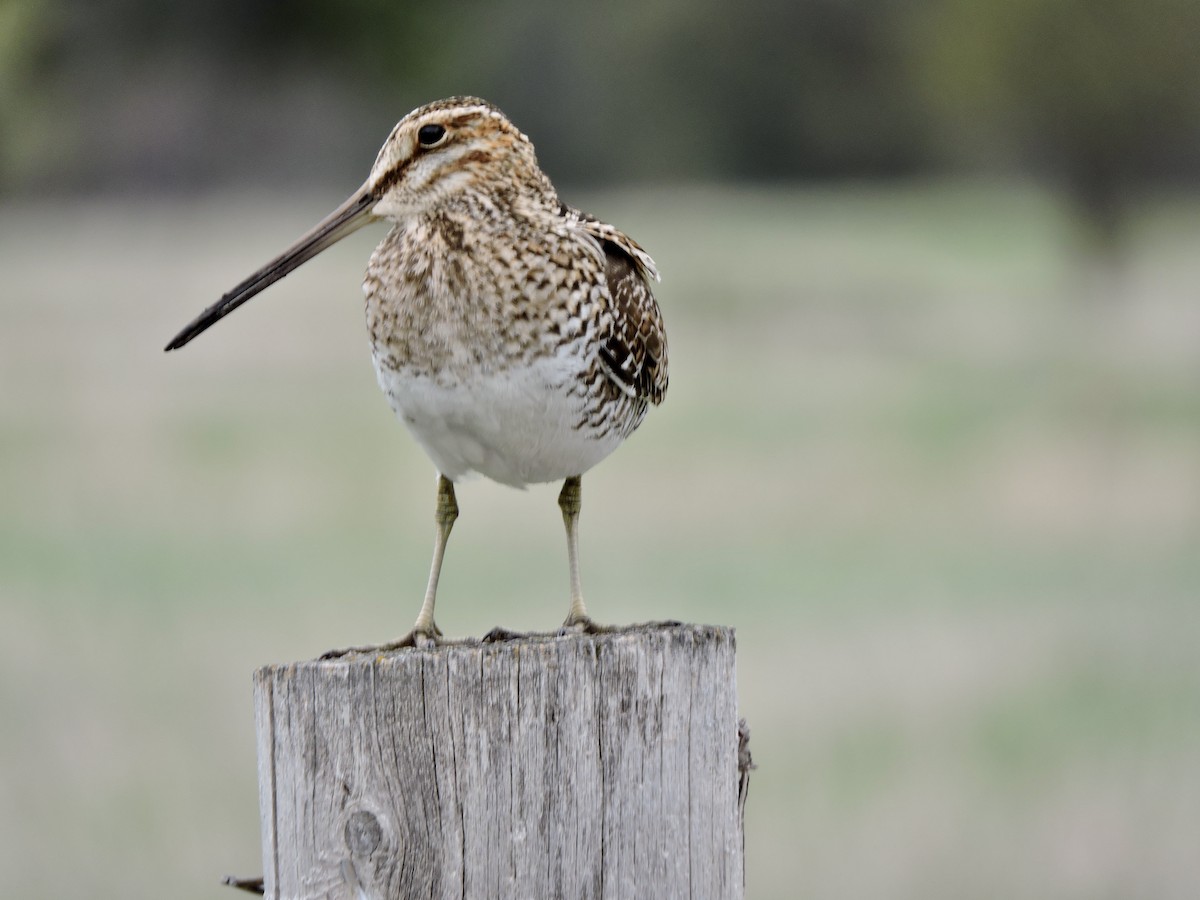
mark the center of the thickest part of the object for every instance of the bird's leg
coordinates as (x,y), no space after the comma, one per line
(446,513)
(424,630)
(569,503)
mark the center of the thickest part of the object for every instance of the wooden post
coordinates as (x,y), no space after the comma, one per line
(597,766)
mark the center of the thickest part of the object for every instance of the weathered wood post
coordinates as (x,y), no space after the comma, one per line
(598,766)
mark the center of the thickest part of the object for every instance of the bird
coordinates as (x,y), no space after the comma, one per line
(516,337)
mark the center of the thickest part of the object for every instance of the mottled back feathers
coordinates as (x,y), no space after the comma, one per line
(634,352)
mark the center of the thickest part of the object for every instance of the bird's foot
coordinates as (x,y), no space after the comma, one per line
(498,634)
(583,625)
(421,638)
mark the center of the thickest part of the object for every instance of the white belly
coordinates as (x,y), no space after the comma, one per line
(516,427)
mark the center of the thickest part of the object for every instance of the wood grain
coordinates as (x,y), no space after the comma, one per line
(583,766)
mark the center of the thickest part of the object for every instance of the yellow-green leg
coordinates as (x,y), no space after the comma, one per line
(569,503)
(424,628)
(447,512)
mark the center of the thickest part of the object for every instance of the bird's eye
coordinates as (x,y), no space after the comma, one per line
(429,135)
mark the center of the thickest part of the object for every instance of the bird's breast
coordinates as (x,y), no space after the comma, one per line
(489,351)
(521,425)
(447,298)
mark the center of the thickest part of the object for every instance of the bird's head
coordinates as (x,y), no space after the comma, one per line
(448,148)
(438,152)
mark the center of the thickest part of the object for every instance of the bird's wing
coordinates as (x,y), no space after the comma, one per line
(634,354)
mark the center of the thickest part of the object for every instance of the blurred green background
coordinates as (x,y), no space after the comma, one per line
(932,442)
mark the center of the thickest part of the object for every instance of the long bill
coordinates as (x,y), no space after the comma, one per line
(346,219)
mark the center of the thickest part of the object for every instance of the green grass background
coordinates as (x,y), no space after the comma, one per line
(939,468)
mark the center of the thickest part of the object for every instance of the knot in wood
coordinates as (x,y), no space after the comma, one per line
(363,833)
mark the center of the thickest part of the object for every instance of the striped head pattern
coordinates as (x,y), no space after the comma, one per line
(461,144)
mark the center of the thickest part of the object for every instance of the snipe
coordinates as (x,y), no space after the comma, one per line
(515,337)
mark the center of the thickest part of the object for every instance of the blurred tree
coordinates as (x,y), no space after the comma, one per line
(113,94)
(27,123)
(1105,94)
(260,91)
(668,88)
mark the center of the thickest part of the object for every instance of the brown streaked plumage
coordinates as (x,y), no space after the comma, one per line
(515,337)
